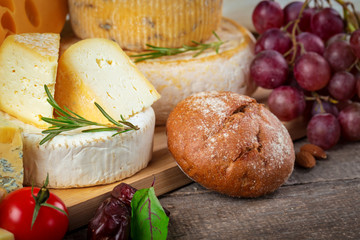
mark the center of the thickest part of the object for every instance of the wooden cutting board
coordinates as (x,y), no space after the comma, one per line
(82,202)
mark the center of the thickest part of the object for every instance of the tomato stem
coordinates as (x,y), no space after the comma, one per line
(40,200)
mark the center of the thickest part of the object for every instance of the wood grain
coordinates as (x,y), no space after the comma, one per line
(321,203)
(82,202)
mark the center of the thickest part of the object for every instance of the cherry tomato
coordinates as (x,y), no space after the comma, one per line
(16,213)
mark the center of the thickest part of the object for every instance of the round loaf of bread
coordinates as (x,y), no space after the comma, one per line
(230,143)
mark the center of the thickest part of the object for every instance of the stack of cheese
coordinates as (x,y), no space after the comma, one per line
(25,16)
(164,23)
(93,70)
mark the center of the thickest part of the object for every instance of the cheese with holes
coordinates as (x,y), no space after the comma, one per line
(76,159)
(6,235)
(28,61)
(97,70)
(11,156)
(25,16)
(135,23)
(177,77)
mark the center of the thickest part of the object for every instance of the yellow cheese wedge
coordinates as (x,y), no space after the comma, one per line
(25,16)
(11,156)
(135,23)
(177,77)
(28,61)
(6,235)
(97,70)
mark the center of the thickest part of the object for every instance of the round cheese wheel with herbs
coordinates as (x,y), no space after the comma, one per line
(177,77)
(76,159)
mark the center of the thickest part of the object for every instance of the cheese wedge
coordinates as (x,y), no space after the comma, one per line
(76,159)
(25,16)
(97,70)
(177,77)
(11,156)
(6,235)
(28,61)
(135,23)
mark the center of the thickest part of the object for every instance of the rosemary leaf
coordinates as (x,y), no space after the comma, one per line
(68,120)
(156,52)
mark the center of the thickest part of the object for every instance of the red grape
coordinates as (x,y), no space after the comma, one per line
(266,15)
(326,23)
(338,37)
(286,103)
(327,107)
(311,42)
(323,130)
(291,13)
(355,42)
(273,39)
(269,69)
(357,77)
(342,85)
(312,71)
(340,56)
(349,119)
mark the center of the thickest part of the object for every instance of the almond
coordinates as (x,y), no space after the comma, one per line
(305,159)
(315,150)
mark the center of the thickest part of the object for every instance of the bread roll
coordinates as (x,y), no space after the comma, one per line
(230,143)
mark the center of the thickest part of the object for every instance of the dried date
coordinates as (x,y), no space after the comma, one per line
(111,221)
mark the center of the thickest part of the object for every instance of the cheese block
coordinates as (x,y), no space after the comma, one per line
(177,77)
(76,159)
(97,70)
(11,156)
(28,61)
(135,23)
(25,16)
(6,235)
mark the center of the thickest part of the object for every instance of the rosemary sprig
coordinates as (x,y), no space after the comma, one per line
(67,120)
(156,52)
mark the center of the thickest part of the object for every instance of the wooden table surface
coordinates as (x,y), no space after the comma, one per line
(320,203)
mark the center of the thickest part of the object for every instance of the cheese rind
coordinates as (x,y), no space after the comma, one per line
(28,62)
(177,77)
(97,70)
(135,23)
(75,159)
(11,156)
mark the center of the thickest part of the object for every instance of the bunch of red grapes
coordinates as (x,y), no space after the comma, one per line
(311,60)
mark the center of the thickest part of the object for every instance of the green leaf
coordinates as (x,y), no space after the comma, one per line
(148,219)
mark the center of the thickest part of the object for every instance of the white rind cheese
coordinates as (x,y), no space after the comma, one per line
(76,159)
(28,61)
(177,77)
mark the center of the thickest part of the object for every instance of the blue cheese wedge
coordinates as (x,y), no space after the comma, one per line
(11,156)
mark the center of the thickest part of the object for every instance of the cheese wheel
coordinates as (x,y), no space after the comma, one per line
(135,23)
(177,77)
(25,16)
(75,159)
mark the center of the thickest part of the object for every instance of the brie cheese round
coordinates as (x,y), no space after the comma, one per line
(76,159)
